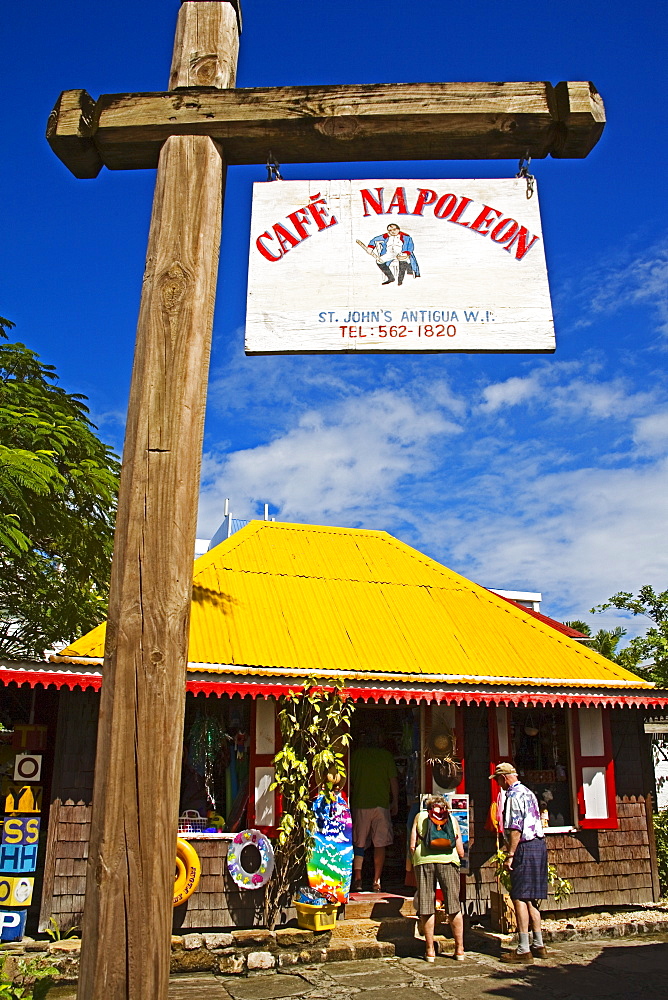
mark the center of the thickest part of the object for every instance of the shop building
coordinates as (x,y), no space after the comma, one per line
(423,651)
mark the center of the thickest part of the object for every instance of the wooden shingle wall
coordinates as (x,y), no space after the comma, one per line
(69,819)
(605,867)
(218,902)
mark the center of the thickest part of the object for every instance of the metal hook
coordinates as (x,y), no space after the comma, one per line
(523,171)
(273,168)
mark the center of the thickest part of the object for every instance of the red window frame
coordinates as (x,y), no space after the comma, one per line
(603,761)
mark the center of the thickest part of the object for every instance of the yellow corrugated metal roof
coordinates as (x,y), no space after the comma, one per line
(308,597)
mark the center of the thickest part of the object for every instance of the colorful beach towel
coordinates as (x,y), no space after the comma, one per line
(331,863)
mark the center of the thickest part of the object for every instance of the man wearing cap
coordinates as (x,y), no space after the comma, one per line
(526,862)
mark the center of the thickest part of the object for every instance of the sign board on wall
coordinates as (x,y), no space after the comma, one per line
(392,265)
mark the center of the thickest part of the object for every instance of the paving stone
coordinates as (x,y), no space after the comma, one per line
(191,987)
(398,993)
(489,986)
(338,969)
(266,987)
(389,976)
(445,968)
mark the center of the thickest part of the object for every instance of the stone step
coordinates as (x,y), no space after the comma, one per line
(378,906)
(369,929)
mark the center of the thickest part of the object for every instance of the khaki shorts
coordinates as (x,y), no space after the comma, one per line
(372,826)
(447,876)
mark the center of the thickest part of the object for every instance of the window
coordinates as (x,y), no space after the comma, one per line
(564,756)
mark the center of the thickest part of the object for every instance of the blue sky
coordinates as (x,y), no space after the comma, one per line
(522,472)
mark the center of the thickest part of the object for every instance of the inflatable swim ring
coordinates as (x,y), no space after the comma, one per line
(240,870)
(188,871)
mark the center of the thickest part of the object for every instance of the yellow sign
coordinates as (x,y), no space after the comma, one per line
(16,890)
(23,799)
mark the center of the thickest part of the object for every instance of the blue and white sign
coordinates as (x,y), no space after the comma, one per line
(12,924)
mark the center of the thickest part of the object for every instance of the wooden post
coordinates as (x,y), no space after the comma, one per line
(130,876)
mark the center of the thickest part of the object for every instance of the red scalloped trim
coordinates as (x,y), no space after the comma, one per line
(218,687)
(51,679)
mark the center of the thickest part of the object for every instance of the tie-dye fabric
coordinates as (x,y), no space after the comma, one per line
(331,863)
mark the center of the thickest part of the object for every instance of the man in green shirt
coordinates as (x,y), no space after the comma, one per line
(374,800)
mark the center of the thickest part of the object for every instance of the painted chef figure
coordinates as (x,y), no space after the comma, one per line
(394,245)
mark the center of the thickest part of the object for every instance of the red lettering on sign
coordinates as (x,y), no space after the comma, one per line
(425,197)
(522,247)
(485,219)
(263,249)
(285,237)
(369,201)
(320,212)
(398,202)
(300,220)
(445,205)
(501,234)
(464,204)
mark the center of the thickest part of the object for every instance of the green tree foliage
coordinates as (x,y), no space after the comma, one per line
(605,641)
(661,834)
(647,654)
(315,726)
(58,486)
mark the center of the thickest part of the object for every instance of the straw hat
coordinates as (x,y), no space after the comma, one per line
(441,745)
(441,754)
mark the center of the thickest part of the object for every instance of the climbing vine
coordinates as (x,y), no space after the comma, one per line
(315,729)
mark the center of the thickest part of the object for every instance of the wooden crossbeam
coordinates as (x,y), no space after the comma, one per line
(408,121)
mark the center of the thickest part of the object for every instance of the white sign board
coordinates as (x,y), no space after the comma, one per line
(392,265)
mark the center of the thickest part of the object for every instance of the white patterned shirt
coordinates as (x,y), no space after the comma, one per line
(521,812)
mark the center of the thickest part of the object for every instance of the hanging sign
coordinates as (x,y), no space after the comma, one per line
(392,265)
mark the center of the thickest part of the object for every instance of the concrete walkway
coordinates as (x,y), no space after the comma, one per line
(577,970)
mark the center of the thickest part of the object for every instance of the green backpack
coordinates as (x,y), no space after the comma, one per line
(439,836)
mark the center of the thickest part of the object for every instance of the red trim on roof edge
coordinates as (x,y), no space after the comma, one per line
(573,633)
(47,678)
(449,697)
(206,687)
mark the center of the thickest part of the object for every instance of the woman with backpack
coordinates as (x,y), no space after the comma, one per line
(436,849)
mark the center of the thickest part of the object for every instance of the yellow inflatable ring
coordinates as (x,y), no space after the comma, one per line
(188,871)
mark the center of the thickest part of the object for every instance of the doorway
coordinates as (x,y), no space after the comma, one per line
(395,728)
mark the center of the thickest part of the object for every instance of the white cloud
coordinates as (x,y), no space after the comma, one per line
(651,433)
(626,280)
(336,465)
(554,480)
(512,392)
